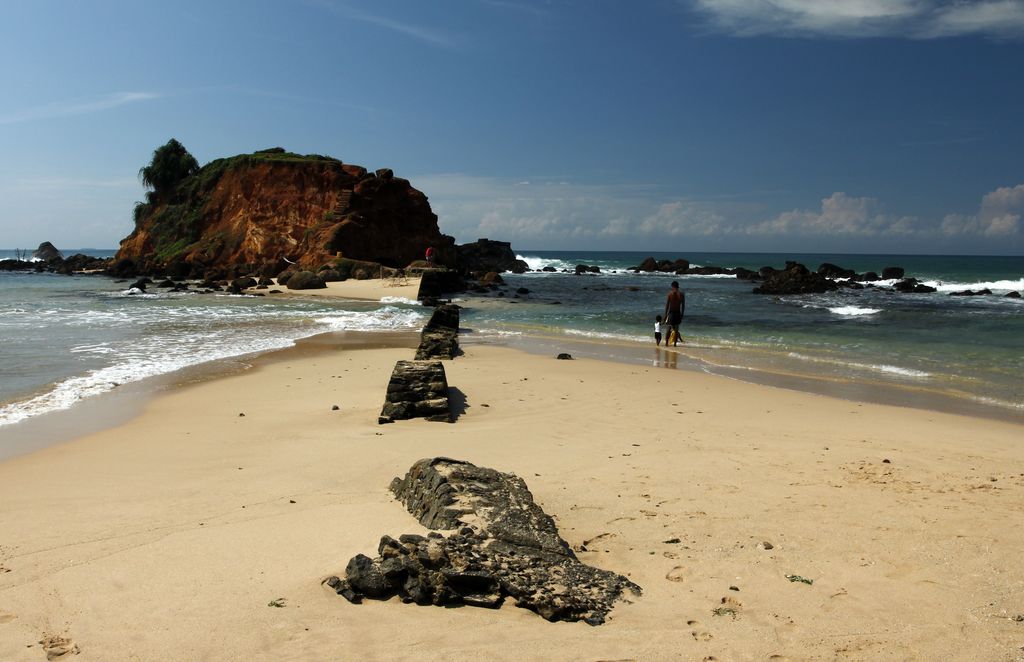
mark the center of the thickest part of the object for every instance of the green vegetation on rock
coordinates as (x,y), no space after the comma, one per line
(181,189)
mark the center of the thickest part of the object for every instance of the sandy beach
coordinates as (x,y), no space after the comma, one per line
(371,289)
(172,535)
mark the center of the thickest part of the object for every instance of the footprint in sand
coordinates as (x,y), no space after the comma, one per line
(585,545)
(6,618)
(729,606)
(57,647)
(676,574)
(698,632)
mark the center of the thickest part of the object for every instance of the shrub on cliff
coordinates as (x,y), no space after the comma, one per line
(171,163)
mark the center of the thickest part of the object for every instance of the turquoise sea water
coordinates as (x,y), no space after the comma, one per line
(66,339)
(964,347)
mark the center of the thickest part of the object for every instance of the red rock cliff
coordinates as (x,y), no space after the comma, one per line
(256,210)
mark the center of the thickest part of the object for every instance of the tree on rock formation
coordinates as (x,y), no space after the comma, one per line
(171,163)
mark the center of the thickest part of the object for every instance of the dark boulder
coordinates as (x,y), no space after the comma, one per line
(564,357)
(549,269)
(829,270)
(17,265)
(867,277)
(649,264)
(1012,295)
(486,255)
(79,262)
(892,273)
(47,252)
(795,279)
(244,283)
(366,577)
(912,285)
(305,280)
(123,268)
(711,270)
(587,269)
(330,275)
(747,274)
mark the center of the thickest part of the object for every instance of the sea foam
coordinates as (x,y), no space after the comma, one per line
(178,349)
(1000,286)
(853,311)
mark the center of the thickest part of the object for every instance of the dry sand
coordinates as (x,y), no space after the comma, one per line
(372,289)
(169,536)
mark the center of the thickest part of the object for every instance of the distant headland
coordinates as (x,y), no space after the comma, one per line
(274,211)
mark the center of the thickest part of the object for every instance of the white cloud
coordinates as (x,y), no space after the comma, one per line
(541,212)
(840,214)
(999,215)
(561,214)
(999,17)
(76,107)
(681,218)
(918,19)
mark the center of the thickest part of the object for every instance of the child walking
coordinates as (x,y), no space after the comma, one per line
(658,326)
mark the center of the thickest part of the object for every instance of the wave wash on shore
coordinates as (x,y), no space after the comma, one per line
(73,338)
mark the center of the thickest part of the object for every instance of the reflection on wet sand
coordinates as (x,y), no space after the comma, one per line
(665,358)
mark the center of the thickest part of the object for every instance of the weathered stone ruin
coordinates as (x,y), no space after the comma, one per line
(418,389)
(440,337)
(501,544)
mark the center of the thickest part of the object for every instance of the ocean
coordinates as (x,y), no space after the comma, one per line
(70,338)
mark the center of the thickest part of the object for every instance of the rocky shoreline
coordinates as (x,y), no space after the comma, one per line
(477,268)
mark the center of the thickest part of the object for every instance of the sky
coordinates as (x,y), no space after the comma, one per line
(851,126)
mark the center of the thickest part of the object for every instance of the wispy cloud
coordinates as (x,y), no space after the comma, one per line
(76,107)
(421,33)
(916,19)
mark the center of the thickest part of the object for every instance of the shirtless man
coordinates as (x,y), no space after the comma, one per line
(675,304)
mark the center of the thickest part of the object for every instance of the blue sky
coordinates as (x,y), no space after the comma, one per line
(738,125)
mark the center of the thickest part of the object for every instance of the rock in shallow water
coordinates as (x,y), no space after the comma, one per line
(440,337)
